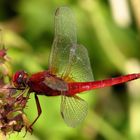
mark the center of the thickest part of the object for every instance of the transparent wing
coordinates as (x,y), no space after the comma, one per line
(67,59)
(73,110)
(70,62)
(79,68)
(65,37)
(56,84)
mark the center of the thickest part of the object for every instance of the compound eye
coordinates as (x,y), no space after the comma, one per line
(20,79)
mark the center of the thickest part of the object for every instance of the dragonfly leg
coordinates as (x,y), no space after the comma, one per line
(38,109)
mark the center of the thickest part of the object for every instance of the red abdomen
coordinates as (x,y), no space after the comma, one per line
(77,87)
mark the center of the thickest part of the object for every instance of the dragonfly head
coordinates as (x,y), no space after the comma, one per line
(20,79)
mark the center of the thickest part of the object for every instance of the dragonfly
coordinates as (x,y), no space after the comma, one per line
(69,72)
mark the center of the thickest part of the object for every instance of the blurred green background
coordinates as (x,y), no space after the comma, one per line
(110,31)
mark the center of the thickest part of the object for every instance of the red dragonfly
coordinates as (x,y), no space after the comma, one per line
(69,72)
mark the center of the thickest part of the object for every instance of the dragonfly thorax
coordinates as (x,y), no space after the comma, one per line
(20,79)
